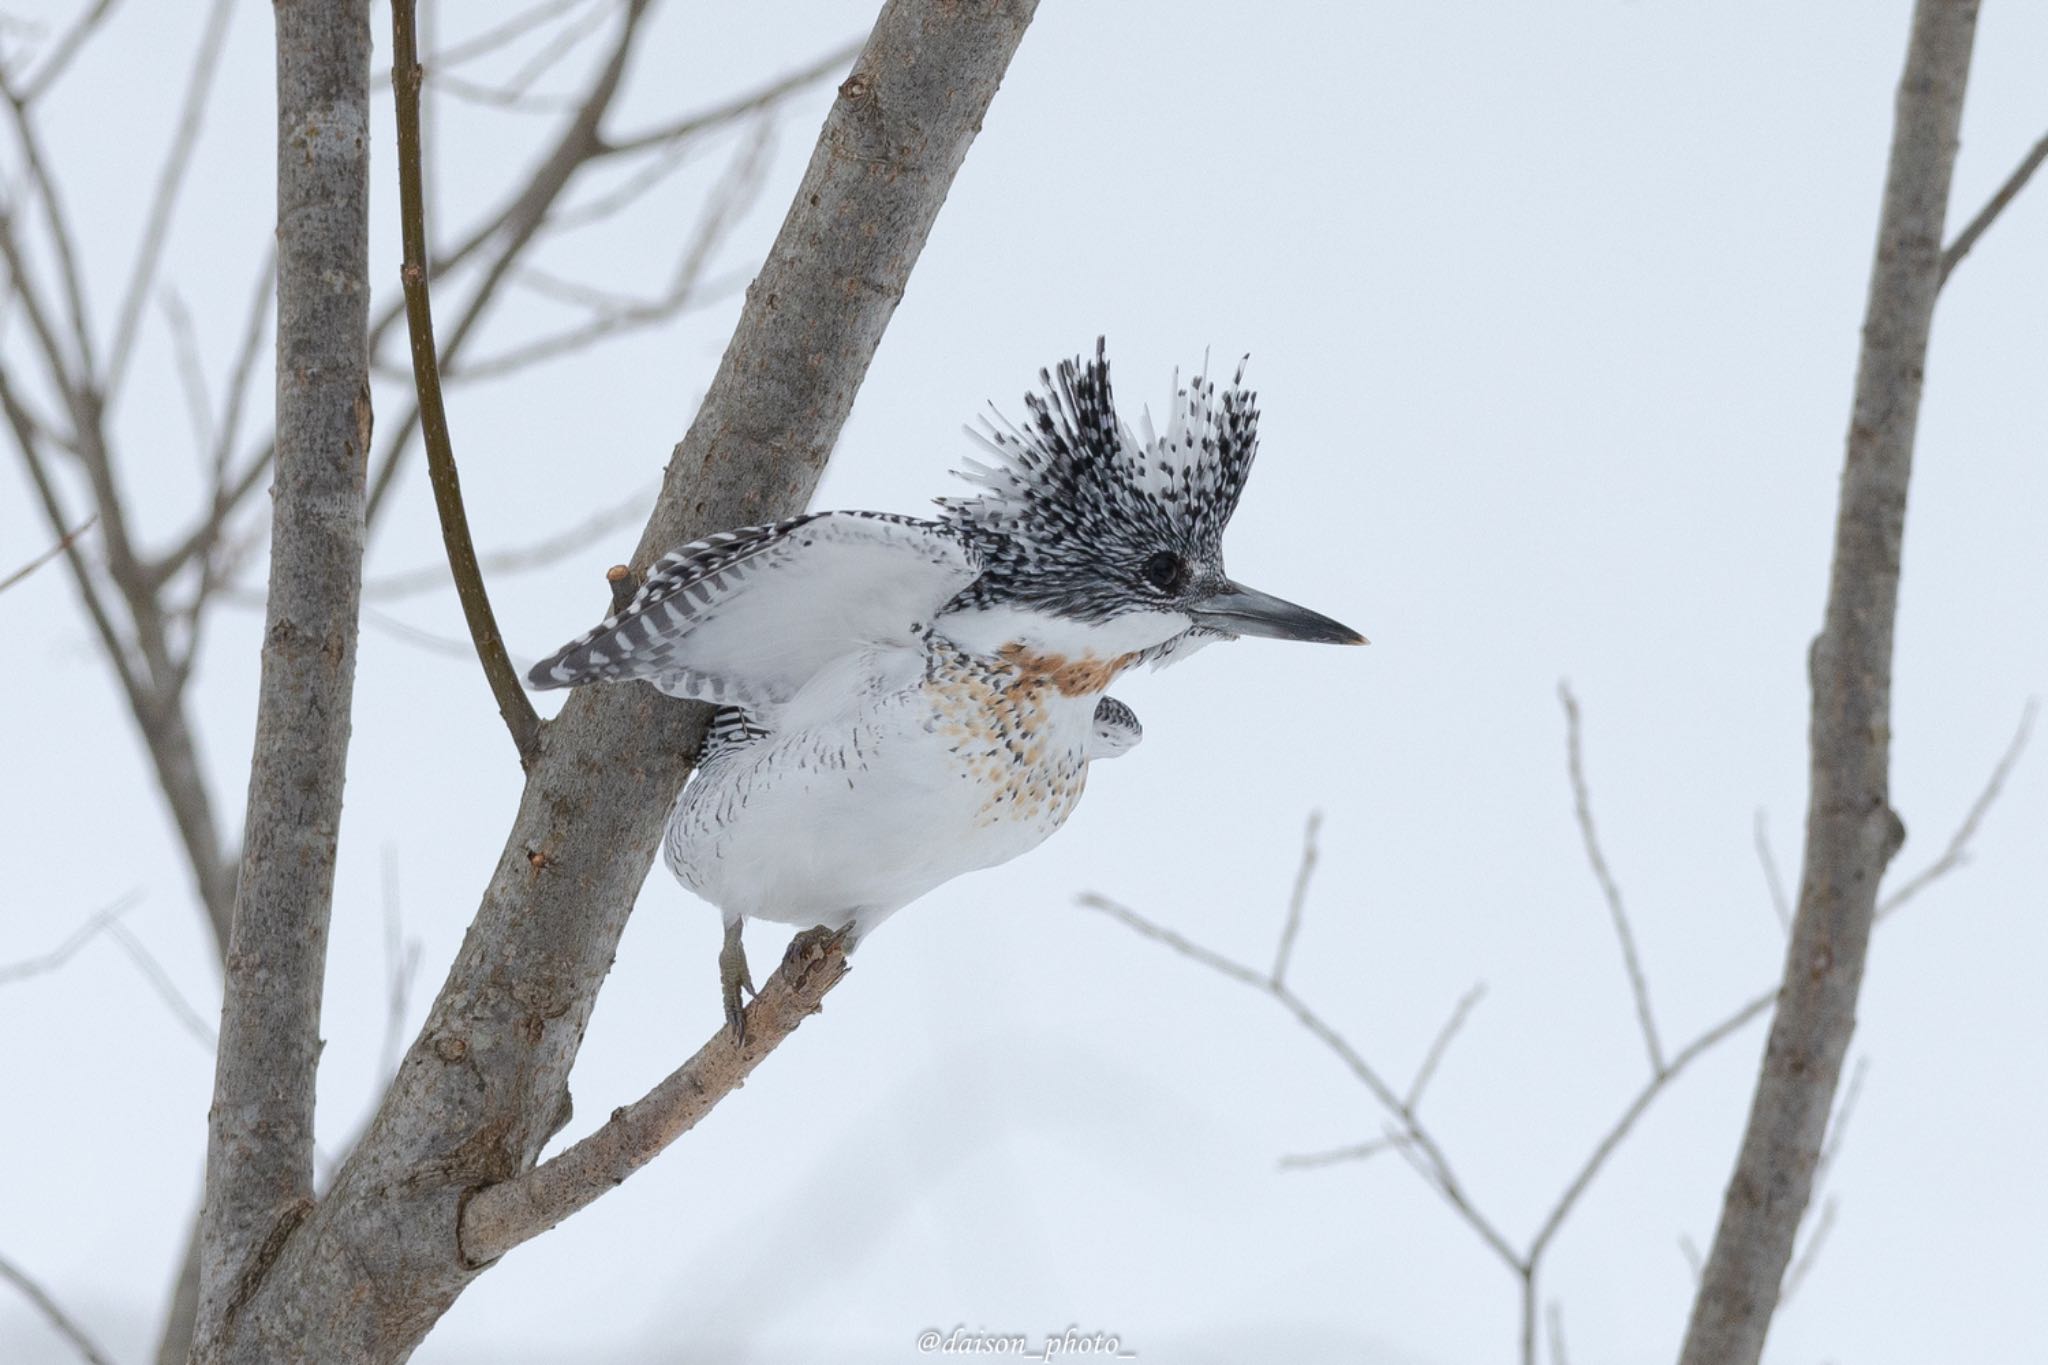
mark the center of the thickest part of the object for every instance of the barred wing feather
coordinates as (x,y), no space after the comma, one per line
(747,617)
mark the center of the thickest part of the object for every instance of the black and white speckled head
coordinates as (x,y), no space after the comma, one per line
(1081,514)
(1083,517)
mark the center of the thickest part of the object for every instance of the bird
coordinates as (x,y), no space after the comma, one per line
(901,700)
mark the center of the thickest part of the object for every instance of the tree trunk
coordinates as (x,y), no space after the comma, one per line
(1851,831)
(259,1165)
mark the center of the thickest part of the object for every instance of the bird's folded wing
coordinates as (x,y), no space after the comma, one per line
(748,617)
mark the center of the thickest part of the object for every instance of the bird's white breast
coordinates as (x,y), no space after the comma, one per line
(887,780)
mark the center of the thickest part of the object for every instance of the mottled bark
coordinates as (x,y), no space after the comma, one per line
(367,1273)
(259,1166)
(504,1215)
(1851,830)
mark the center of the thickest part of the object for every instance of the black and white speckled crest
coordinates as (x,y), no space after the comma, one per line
(1075,510)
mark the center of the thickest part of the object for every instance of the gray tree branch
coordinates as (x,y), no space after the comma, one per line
(259,1166)
(53,1312)
(502,1216)
(1851,830)
(513,706)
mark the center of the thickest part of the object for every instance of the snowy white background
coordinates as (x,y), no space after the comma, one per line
(1554,312)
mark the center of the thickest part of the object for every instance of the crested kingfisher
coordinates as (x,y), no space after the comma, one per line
(902,700)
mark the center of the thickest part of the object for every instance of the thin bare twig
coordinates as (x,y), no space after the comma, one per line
(518,713)
(1357,1151)
(1838,1128)
(77,386)
(1636,1108)
(188,1017)
(1441,1044)
(401,969)
(1416,1144)
(54,1314)
(539,555)
(1582,805)
(66,48)
(514,93)
(60,522)
(64,543)
(1554,1315)
(191,371)
(518,222)
(1781,904)
(1953,255)
(736,189)
(1803,1263)
(1958,850)
(490,40)
(156,229)
(97,923)
(831,64)
(1299,898)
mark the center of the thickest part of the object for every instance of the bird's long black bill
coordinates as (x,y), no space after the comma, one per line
(1247,611)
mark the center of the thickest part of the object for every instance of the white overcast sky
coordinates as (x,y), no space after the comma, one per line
(1554,311)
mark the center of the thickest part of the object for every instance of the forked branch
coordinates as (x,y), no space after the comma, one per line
(502,1216)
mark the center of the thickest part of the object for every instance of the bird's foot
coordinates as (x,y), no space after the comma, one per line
(733,977)
(820,938)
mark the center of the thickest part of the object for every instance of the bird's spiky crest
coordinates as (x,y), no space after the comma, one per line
(1075,461)
(1077,497)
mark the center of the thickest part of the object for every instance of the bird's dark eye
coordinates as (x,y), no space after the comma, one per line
(1166,571)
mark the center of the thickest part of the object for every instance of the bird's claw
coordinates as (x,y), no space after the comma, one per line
(733,977)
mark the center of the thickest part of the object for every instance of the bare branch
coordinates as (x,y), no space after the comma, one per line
(1852,833)
(260,1148)
(831,64)
(515,92)
(1299,899)
(27,444)
(1186,947)
(513,706)
(156,229)
(1415,1144)
(1554,1315)
(727,201)
(539,555)
(188,1017)
(1958,850)
(66,48)
(169,739)
(1637,1107)
(1442,1044)
(67,1326)
(518,222)
(1695,1262)
(1357,1151)
(1802,1264)
(191,372)
(1986,216)
(1781,904)
(490,40)
(247,355)
(97,923)
(64,242)
(401,969)
(1582,805)
(503,1216)
(1838,1129)
(64,543)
